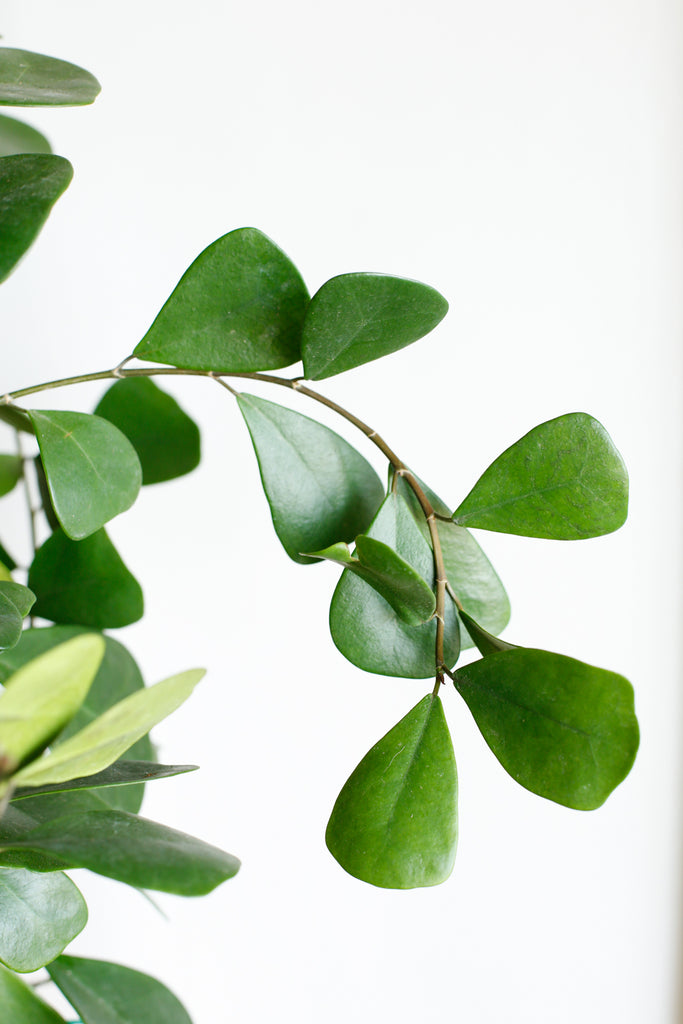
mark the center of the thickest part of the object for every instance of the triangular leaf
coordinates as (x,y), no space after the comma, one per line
(561,728)
(485,642)
(355,318)
(30,185)
(564,480)
(395,821)
(164,437)
(84,582)
(121,773)
(18,137)
(20,1005)
(39,916)
(10,472)
(239,307)
(92,469)
(320,490)
(34,80)
(6,558)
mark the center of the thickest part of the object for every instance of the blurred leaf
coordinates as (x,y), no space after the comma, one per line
(164,437)
(84,582)
(320,490)
(17,137)
(15,603)
(34,80)
(105,993)
(561,728)
(20,1005)
(10,472)
(92,469)
(39,916)
(355,318)
(239,307)
(395,821)
(121,773)
(30,185)
(6,558)
(367,630)
(564,480)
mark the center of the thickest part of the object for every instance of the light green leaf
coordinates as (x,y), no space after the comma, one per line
(84,582)
(355,318)
(20,1005)
(367,630)
(561,728)
(320,490)
(15,603)
(34,80)
(18,137)
(10,472)
(564,480)
(395,821)
(92,469)
(397,582)
(121,773)
(30,185)
(105,739)
(39,916)
(40,698)
(164,437)
(105,993)
(239,307)
(132,850)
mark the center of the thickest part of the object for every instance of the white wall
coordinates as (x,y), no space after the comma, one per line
(525,159)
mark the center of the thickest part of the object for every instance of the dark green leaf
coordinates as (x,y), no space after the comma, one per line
(39,916)
(6,559)
(84,582)
(20,1005)
(10,472)
(15,825)
(132,850)
(564,480)
(320,490)
(17,137)
(121,773)
(30,185)
(485,642)
(34,80)
(165,438)
(395,821)
(239,307)
(105,993)
(561,728)
(355,318)
(92,469)
(367,630)
(15,603)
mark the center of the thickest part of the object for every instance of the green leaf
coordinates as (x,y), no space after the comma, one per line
(395,821)
(6,558)
(239,307)
(355,318)
(164,437)
(10,472)
(564,480)
(15,603)
(92,469)
(33,80)
(30,185)
(320,490)
(105,739)
(84,582)
(16,824)
(485,642)
(39,916)
(18,137)
(561,728)
(106,993)
(397,582)
(20,1005)
(40,698)
(367,630)
(121,773)
(131,850)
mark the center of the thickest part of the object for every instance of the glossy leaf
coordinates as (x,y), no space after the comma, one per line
(105,993)
(15,825)
(16,602)
(367,630)
(17,137)
(320,490)
(84,582)
(484,641)
(20,1005)
(10,472)
(132,850)
(564,480)
(30,185)
(561,728)
(92,469)
(40,698)
(39,915)
(395,821)
(355,318)
(164,437)
(106,738)
(34,80)
(388,574)
(239,307)
(121,773)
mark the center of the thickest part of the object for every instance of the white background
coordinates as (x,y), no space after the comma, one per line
(525,159)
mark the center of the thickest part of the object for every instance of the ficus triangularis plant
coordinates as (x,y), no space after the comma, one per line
(415,588)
